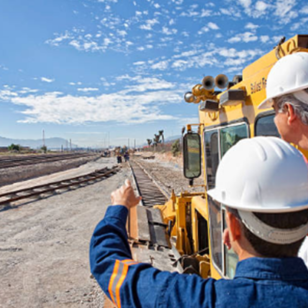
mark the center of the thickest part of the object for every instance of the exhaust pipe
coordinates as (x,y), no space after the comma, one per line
(221,81)
(208,83)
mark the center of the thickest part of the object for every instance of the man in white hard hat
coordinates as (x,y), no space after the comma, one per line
(287,93)
(266,224)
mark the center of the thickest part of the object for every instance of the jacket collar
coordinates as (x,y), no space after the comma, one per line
(272,269)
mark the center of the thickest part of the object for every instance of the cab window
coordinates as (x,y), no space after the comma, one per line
(212,156)
(265,126)
(217,142)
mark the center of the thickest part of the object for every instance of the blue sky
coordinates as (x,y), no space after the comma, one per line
(81,70)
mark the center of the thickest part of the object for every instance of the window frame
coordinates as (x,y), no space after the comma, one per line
(218,127)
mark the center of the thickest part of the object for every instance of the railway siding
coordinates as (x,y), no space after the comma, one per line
(37,167)
(51,188)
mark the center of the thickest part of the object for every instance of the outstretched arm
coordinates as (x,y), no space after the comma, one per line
(131,284)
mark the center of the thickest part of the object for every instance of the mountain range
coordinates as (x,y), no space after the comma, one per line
(51,143)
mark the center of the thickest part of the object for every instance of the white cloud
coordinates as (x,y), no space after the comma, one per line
(171,22)
(244,37)
(245,3)
(304,10)
(178,2)
(162,65)
(26,90)
(261,6)
(139,63)
(107,84)
(122,32)
(203,30)
(234,39)
(7,94)
(181,64)
(187,54)
(141,103)
(283,7)
(251,26)
(47,79)
(264,38)
(104,1)
(206,13)
(231,11)
(62,37)
(149,24)
(168,31)
(2,67)
(284,10)
(212,26)
(255,10)
(87,89)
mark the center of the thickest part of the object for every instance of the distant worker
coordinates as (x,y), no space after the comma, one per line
(287,93)
(266,223)
(119,158)
(126,156)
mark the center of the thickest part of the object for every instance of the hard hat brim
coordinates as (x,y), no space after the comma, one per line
(267,103)
(274,208)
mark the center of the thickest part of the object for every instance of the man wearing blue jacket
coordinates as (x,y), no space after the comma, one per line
(266,226)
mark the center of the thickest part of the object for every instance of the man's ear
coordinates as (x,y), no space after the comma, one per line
(291,113)
(234,227)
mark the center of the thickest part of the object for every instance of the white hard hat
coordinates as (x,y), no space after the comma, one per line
(288,75)
(262,174)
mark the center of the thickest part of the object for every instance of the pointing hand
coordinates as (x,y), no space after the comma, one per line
(125,196)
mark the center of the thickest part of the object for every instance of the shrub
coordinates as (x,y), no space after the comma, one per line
(14,147)
(175,149)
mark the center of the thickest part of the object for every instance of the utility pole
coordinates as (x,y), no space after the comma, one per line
(71,145)
(43,138)
(134,143)
(128,144)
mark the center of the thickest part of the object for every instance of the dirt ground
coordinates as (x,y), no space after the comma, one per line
(168,170)
(44,244)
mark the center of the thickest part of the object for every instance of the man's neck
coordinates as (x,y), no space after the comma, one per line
(302,137)
(243,255)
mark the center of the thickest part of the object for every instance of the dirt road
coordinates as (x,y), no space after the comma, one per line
(44,247)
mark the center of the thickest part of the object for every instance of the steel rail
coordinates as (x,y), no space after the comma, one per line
(150,191)
(148,234)
(31,160)
(53,186)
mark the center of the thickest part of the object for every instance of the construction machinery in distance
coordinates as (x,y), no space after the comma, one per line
(186,232)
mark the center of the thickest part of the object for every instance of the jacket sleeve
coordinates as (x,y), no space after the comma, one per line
(131,284)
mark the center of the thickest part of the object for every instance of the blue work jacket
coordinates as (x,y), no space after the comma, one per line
(258,282)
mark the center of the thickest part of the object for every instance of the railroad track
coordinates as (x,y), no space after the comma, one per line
(9,162)
(145,223)
(59,186)
(151,191)
(149,236)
